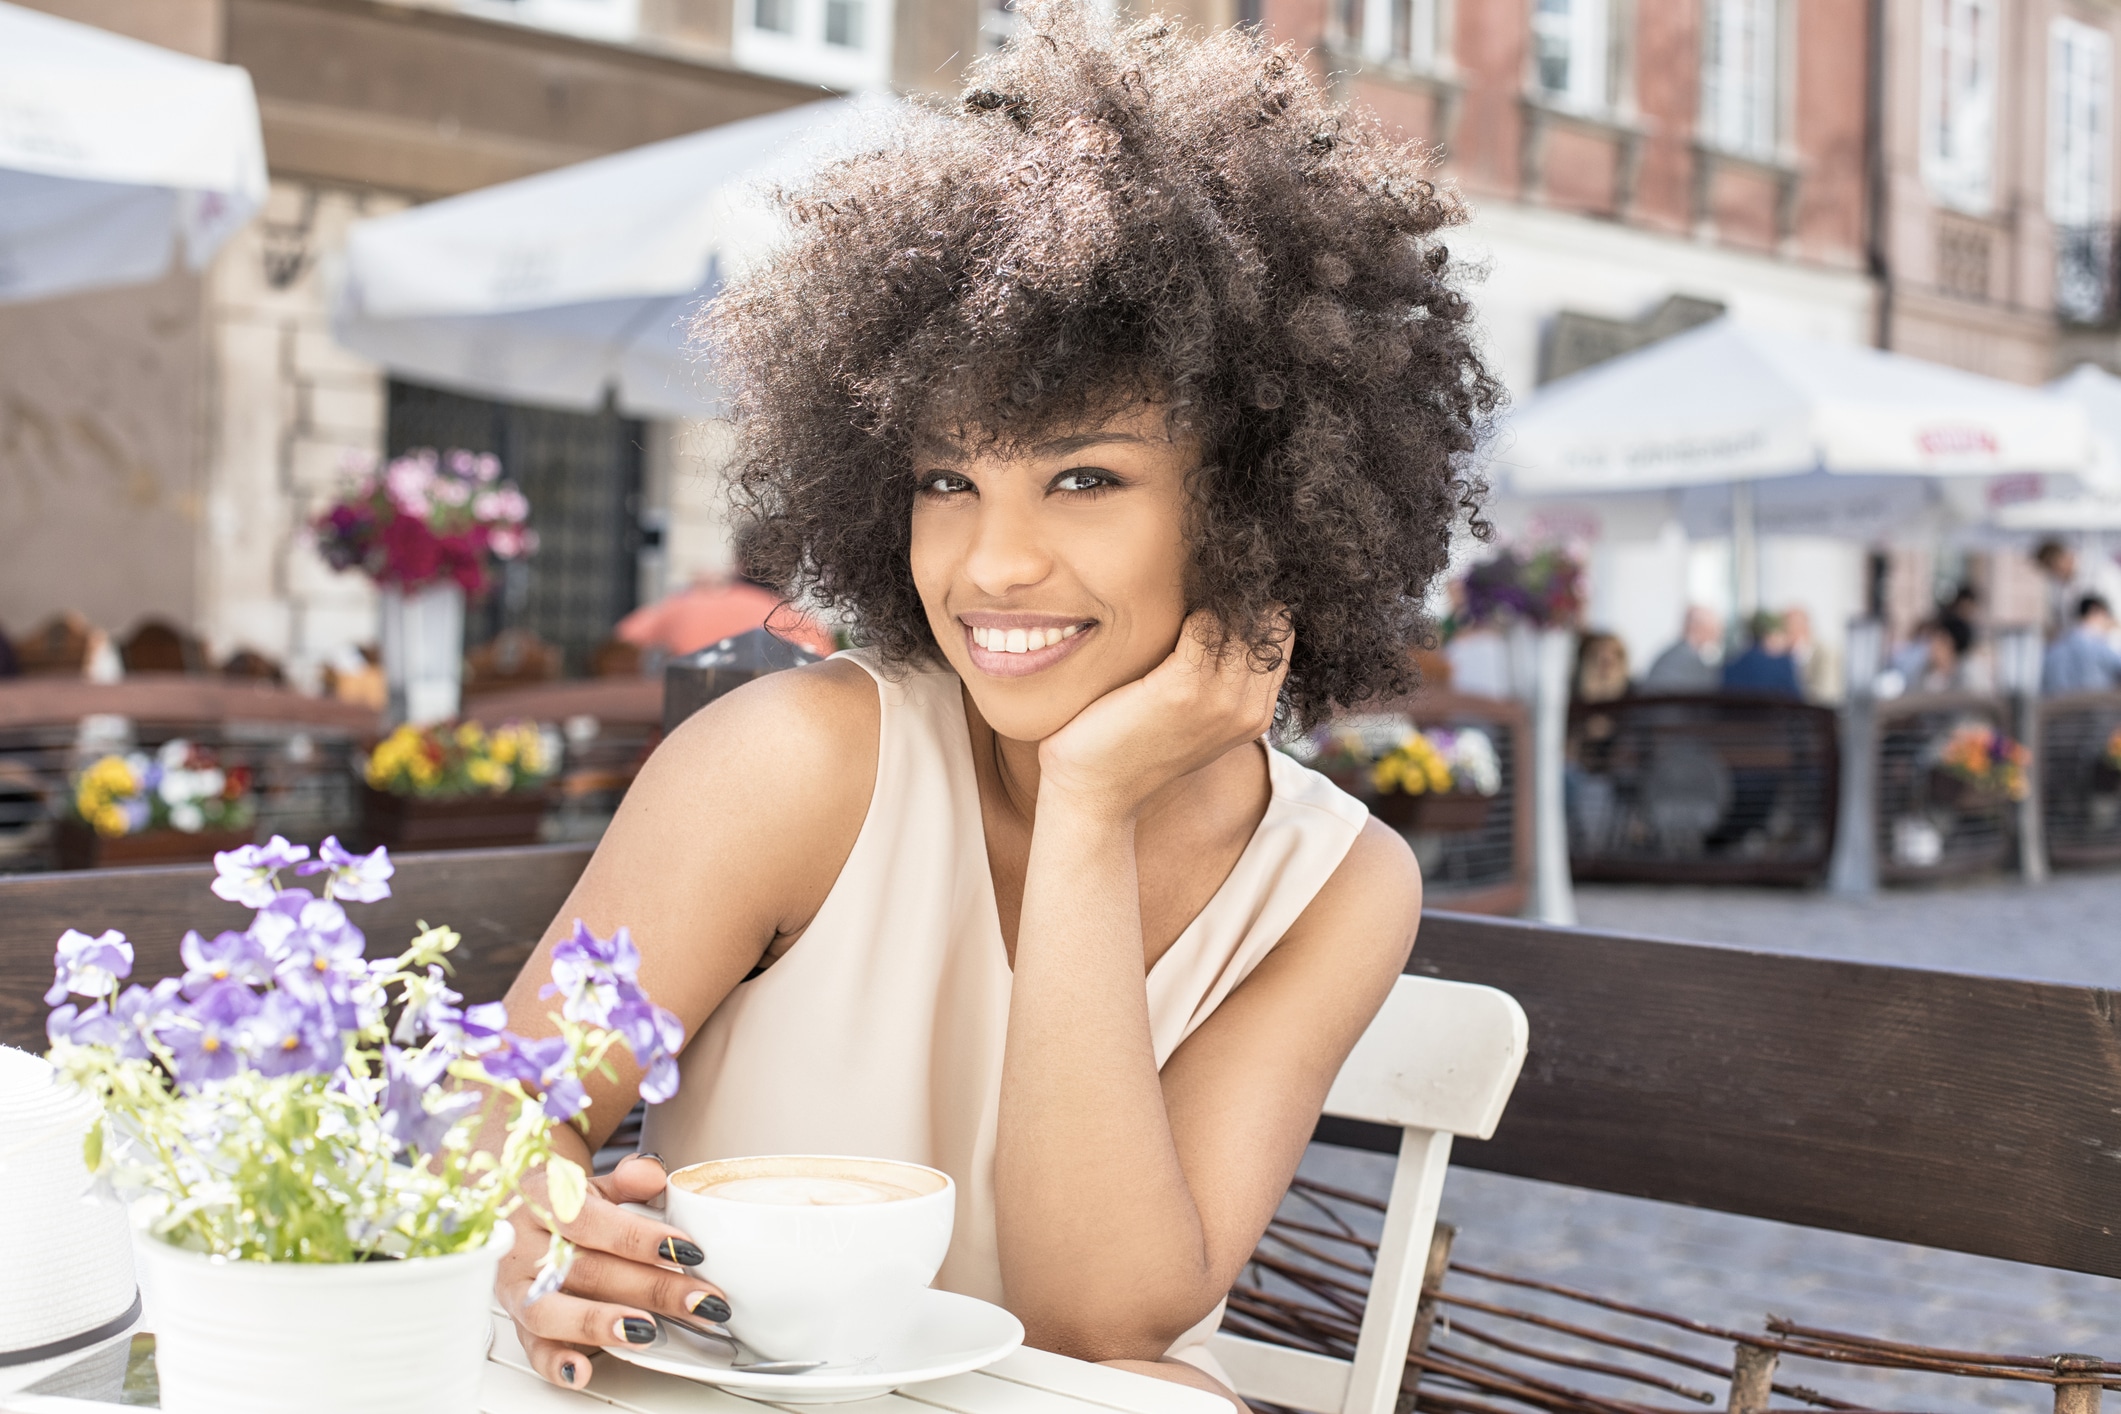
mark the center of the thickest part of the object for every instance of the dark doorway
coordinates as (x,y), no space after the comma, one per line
(582,473)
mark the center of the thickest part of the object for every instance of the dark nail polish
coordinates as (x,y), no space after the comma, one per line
(711,1308)
(638,1331)
(567,1372)
(678,1250)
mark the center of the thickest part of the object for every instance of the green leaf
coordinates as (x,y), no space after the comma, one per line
(567,1186)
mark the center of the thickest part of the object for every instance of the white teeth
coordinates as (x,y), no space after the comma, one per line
(1018,640)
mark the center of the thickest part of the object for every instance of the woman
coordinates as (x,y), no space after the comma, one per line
(1119,410)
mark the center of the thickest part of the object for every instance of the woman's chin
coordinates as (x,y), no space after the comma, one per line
(1024,709)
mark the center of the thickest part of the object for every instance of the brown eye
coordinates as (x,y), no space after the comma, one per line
(1084,479)
(944,483)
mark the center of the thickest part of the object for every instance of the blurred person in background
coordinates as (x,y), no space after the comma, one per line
(1934,660)
(1818,666)
(1690,664)
(1766,667)
(2058,573)
(1601,668)
(2084,659)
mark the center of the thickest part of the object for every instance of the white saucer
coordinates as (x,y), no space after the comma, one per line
(951,1335)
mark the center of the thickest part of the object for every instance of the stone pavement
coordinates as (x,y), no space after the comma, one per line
(1734,1271)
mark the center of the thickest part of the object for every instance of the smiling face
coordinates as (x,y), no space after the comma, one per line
(1054,572)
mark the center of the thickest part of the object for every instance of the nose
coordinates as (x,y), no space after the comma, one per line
(1008,551)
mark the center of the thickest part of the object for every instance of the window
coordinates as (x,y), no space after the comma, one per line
(1959,101)
(1569,51)
(839,43)
(2079,135)
(1741,78)
(596,19)
(1395,31)
(997,23)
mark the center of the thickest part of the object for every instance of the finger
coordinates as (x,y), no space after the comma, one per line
(606,1227)
(598,1276)
(574,1320)
(637,1179)
(560,1364)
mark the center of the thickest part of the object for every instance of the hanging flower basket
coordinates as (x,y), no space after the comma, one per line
(82,848)
(1453,812)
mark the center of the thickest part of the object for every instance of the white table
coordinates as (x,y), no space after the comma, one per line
(1028,1382)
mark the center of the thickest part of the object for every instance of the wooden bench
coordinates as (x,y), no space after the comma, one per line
(1968,1113)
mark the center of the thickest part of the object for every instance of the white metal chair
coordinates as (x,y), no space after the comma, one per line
(1440,1060)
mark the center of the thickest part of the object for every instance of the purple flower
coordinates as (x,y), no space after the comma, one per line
(481,1028)
(321,946)
(524,1059)
(660,1081)
(359,878)
(203,1047)
(565,1098)
(430,1009)
(229,960)
(140,1010)
(590,971)
(411,1119)
(287,1035)
(247,874)
(94,1027)
(88,967)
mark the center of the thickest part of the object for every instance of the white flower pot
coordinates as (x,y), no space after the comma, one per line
(340,1338)
(422,635)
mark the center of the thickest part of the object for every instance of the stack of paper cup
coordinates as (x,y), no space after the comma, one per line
(66,1257)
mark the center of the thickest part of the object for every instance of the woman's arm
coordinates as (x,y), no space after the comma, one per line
(1127,1201)
(730,838)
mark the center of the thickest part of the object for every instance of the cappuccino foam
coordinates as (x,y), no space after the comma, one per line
(811,1190)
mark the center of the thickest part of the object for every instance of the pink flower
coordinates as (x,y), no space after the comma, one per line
(486,466)
(505,541)
(412,554)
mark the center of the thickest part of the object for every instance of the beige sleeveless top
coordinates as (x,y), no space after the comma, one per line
(880,1031)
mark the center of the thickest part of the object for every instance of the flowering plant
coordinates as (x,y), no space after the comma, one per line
(464,759)
(427,518)
(1985,759)
(287,1099)
(1395,755)
(181,787)
(1543,588)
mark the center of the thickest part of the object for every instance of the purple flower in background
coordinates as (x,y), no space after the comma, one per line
(655,1036)
(94,1027)
(286,1035)
(246,874)
(410,1118)
(139,1012)
(430,1009)
(88,967)
(523,1059)
(565,1098)
(228,960)
(203,1046)
(592,973)
(358,878)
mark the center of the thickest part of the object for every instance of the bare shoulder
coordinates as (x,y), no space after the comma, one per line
(1371,902)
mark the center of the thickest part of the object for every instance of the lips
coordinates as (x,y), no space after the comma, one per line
(1017,650)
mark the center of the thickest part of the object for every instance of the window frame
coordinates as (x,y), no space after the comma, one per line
(1961,102)
(805,55)
(2079,188)
(1587,29)
(1742,102)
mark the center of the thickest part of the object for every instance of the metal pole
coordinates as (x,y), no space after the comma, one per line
(1854,871)
(1540,663)
(1745,558)
(2018,654)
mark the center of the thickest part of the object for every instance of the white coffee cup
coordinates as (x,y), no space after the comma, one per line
(820,1254)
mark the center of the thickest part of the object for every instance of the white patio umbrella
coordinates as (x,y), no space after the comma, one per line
(112,152)
(1726,404)
(2096,506)
(577,284)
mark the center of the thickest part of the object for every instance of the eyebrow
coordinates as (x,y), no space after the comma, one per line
(1068,446)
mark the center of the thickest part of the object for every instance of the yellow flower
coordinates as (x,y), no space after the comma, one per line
(112,821)
(470,736)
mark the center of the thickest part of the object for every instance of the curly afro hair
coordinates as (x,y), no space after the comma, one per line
(1111,215)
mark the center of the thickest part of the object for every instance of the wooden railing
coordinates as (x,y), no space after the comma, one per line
(1969,1113)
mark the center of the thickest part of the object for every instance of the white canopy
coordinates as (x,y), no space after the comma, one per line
(112,150)
(2097,505)
(1725,404)
(576,284)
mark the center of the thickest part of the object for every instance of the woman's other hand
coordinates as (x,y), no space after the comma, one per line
(1202,701)
(625,1267)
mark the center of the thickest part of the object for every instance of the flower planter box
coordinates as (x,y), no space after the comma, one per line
(1451,813)
(80,847)
(456,822)
(1955,793)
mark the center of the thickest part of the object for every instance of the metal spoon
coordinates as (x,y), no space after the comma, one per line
(756,1367)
